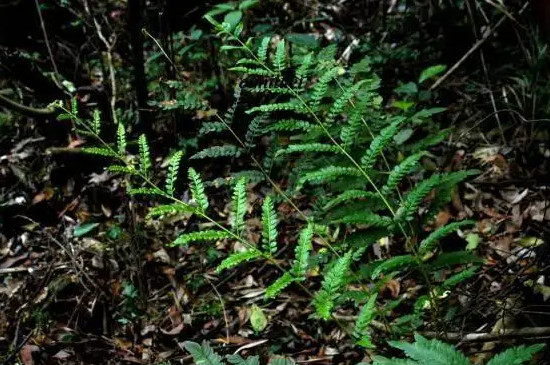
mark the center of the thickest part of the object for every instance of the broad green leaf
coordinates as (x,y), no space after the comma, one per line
(258,320)
(83,229)
(430,72)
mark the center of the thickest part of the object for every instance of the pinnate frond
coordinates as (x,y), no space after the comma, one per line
(227,150)
(394,263)
(516,355)
(262,50)
(169,209)
(365,317)
(327,174)
(407,166)
(278,285)
(172,174)
(121,139)
(96,122)
(379,143)
(203,354)
(299,267)
(269,226)
(431,352)
(99,151)
(197,190)
(332,283)
(238,258)
(309,147)
(200,236)
(144,155)
(430,242)
(350,195)
(239,206)
(280,56)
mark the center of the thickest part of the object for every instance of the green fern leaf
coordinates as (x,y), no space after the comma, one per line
(379,143)
(197,190)
(278,285)
(406,167)
(516,355)
(365,217)
(227,150)
(394,263)
(211,127)
(430,242)
(145,191)
(381,360)
(327,174)
(269,226)
(120,169)
(121,139)
(96,122)
(290,125)
(280,56)
(431,352)
(302,71)
(170,209)
(200,236)
(239,206)
(459,278)
(299,267)
(265,89)
(416,196)
(350,195)
(144,155)
(238,258)
(262,50)
(341,102)
(252,71)
(99,151)
(292,106)
(172,175)
(309,147)
(365,317)
(332,283)
(238,360)
(321,87)
(449,259)
(203,354)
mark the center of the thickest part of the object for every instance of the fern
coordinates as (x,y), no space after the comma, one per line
(172,175)
(431,352)
(350,195)
(269,226)
(394,263)
(327,174)
(239,206)
(302,71)
(292,106)
(238,258)
(121,139)
(144,155)
(197,190)
(252,71)
(238,360)
(218,151)
(280,56)
(146,191)
(429,242)
(96,122)
(99,151)
(516,355)
(339,104)
(459,278)
(365,317)
(202,354)
(120,169)
(365,217)
(299,267)
(321,87)
(415,197)
(406,166)
(262,50)
(200,236)
(379,143)
(310,147)
(290,125)
(170,209)
(332,283)
(278,285)
(211,127)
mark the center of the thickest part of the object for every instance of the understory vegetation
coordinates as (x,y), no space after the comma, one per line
(275,182)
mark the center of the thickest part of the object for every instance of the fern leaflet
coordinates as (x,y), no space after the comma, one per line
(199,236)
(269,226)
(197,190)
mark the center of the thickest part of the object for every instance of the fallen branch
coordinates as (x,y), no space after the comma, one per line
(488,336)
(26,110)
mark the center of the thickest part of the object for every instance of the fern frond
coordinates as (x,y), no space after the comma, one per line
(278,285)
(292,106)
(332,283)
(350,195)
(341,102)
(365,217)
(197,190)
(203,354)
(516,355)
(252,71)
(302,71)
(309,147)
(321,87)
(121,169)
(169,209)
(144,155)
(121,139)
(145,191)
(407,166)
(96,122)
(299,266)
(394,263)
(269,226)
(365,317)
(211,127)
(430,242)
(327,174)
(416,196)
(238,360)
(459,278)
(239,206)
(379,143)
(279,63)
(172,174)
(227,150)
(99,151)
(381,360)
(431,352)
(265,89)
(449,259)
(290,125)
(248,61)
(238,258)
(262,50)
(200,236)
